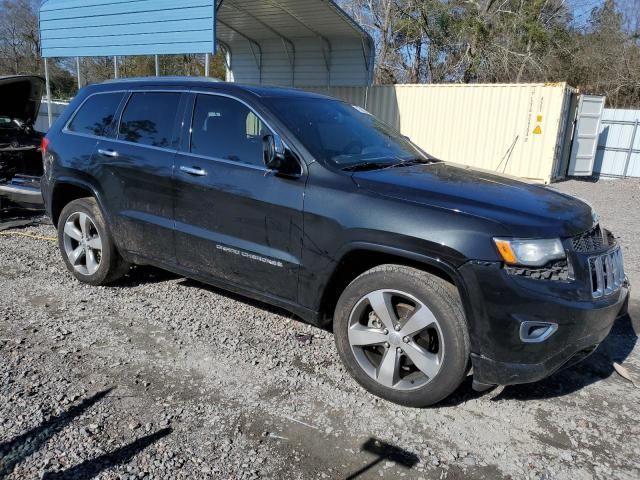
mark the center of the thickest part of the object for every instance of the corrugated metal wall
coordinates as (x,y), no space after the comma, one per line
(618,144)
(309,69)
(517,129)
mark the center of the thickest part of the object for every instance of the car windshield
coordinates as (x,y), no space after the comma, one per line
(343,135)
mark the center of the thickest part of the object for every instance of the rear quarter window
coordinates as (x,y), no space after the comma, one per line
(96,114)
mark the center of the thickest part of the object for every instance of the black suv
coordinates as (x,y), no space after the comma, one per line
(423,269)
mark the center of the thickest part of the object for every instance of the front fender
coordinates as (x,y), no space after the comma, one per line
(433,262)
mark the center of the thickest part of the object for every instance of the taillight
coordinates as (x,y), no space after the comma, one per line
(44,144)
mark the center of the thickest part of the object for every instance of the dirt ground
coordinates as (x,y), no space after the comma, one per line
(163,377)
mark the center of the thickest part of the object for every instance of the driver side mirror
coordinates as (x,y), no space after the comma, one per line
(278,157)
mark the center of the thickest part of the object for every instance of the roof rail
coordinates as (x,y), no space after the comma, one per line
(175,78)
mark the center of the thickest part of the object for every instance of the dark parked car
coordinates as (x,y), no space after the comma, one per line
(20,157)
(423,269)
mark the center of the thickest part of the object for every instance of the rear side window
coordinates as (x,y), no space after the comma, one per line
(227,129)
(96,114)
(150,118)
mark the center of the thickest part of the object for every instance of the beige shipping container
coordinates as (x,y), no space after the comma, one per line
(521,130)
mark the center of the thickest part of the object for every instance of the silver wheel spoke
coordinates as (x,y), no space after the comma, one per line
(427,362)
(361,335)
(388,369)
(75,255)
(381,305)
(72,231)
(92,264)
(421,319)
(95,243)
(85,224)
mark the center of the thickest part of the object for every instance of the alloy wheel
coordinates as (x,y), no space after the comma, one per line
(82,243)
(396,339)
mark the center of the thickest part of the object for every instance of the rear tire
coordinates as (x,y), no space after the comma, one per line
(410,358)
(87,247)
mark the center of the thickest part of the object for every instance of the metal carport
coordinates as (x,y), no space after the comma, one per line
(295,43)
(306,43)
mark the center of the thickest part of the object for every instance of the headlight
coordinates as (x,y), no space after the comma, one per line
(531,253)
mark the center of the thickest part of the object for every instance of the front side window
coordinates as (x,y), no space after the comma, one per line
(96,114)
(343,135)
(227,129)
(150,118)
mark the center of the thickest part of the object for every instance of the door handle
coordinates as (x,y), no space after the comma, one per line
(197,171)
(108,153)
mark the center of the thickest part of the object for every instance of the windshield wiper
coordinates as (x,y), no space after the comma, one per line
(358,167)
(413,161)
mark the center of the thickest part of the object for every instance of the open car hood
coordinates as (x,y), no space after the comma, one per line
(21,96)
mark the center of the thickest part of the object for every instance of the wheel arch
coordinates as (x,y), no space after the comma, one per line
(360,257)
(67,190)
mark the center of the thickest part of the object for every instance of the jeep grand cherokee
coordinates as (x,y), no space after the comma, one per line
(421,268)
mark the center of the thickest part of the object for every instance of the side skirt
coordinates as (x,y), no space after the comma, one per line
(307,315)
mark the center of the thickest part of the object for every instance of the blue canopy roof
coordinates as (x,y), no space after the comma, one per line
(83,28)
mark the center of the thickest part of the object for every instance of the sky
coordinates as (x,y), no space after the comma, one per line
(582,9)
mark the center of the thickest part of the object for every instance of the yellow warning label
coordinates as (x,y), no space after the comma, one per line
(537,130)
(539,118)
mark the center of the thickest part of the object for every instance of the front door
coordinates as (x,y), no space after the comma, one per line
(235,220)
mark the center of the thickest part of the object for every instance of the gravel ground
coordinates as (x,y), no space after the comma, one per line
(163,377)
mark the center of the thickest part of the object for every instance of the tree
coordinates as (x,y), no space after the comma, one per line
(420,41)
(19,37)
(607,56)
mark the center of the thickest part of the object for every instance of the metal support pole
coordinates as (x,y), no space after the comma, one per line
(79,73)
(631,145)
(115,67)
(48,86)
(157,59)
(207,62)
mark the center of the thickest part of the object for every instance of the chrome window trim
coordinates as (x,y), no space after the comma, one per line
(153,147)
(225,161)
(124,142)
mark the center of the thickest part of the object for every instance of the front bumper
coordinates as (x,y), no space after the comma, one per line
(500,302)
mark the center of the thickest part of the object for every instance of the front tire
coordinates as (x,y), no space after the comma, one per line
(87,248)
(401,333)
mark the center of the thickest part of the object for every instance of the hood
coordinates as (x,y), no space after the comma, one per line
(525,210)
(21,96)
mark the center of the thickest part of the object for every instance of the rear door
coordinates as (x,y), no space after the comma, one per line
(235,220)
(137,173)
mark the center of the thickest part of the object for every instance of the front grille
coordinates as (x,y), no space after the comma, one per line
(607,273)
(594,240)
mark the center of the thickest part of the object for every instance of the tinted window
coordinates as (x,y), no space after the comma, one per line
(150,118)
(96,114)
(225,128)
(342,134)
